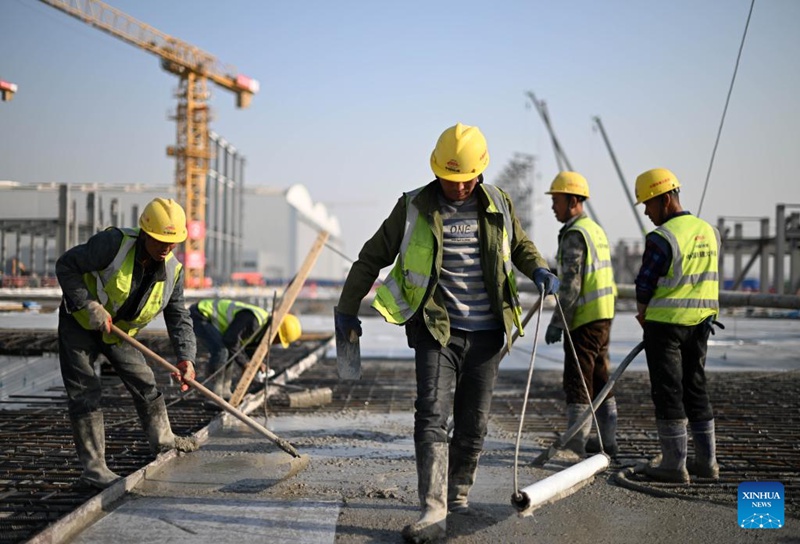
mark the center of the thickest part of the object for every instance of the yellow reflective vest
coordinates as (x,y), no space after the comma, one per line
(221,312)
(112,287)
(407,285)
(598,291)
(689,293)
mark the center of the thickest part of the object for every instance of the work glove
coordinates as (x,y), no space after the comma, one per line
(345,323)
(546,281)
(710,322)
(186,373)
(552,335)
(99,318)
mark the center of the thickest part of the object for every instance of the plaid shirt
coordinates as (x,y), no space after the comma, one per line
(656,261)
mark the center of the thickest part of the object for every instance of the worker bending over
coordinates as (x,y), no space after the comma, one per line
(126,277)
(227,327)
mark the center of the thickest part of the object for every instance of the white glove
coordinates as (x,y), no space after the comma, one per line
(99,318)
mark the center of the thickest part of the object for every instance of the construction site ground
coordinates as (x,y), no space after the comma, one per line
(355,481)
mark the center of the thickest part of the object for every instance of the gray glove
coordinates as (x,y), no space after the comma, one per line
(552,335)
(99,318)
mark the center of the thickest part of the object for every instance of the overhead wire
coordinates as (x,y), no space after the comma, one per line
(725,109)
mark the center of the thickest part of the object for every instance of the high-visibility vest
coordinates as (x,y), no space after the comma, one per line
(112,287)
(689,293)
(598,291)
(403,292)
(221,312)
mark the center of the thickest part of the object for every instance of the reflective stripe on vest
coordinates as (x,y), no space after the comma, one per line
(112,285)
(403,292)
(596,300)
(689,292)
(221,312)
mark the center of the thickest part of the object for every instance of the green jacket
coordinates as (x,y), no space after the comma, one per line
(382,249)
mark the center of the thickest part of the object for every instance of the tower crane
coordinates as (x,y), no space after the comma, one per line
(192,152)
(7,90)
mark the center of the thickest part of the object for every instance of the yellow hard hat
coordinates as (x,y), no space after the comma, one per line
(460,154)
(653,183)
(164,220)
(571,183)
(290,330)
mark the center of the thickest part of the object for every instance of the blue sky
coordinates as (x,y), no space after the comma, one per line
(354,95)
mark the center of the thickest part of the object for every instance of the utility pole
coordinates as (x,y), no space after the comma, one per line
(625,188)
(541,107)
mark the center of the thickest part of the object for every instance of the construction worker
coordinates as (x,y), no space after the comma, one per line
(227,327)
(126,277)
(453,287)
(587,296)
(677,297)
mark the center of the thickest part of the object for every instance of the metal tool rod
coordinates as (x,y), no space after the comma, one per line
(238,414)
(547,454)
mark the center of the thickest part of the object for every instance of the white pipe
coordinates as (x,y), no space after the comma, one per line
(559,485)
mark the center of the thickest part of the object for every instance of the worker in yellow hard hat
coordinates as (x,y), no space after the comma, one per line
(677,297)
(227,328)
(126,277)
(587,296)
(456,311)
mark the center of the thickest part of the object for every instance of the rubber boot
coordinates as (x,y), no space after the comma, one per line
(432,478)
(704,464)
(674,445)
(607,421)
(89,433)
(577,444)
(155,422)
(463,466)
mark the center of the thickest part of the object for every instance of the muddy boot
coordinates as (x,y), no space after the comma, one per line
(463,466)
(432,478)
(607,420)
(577,444)
(704,464)
(674,445)
(89,433)
(155,422)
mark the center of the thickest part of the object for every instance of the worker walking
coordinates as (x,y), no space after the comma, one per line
(453,287)
(677,296)
(126,277)
(587,295)
(227,327)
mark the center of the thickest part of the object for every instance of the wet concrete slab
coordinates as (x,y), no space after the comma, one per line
(216,494)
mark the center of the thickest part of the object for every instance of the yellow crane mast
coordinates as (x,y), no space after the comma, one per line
(195,68)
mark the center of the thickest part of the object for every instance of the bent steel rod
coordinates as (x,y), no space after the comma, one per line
(238,414)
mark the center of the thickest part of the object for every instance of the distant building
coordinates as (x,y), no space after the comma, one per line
(268,232)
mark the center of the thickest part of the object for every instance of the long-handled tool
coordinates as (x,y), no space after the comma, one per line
(562,483)
(548,454)
(238,414)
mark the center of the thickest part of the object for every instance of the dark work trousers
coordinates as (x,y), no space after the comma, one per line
(676,359)
(209,335)
(78,349)
(591,347)
(468,366)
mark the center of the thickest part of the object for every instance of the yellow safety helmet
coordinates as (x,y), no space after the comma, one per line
(290,330)
(571,183)
(164,220)
(653,183)
(460,154)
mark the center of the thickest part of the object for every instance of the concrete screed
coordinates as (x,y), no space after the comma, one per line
(358,485)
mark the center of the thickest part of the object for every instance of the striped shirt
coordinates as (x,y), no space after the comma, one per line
(461,277)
